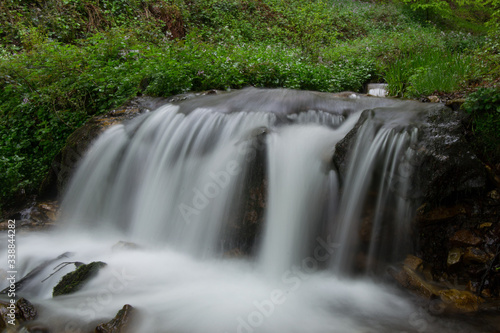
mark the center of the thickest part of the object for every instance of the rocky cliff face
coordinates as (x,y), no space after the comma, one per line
(444,167)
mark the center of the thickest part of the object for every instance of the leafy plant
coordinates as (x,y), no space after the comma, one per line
(484,108)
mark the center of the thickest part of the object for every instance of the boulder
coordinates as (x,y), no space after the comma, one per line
(16,313)
(444,165)
(461,301)
(473,255)
(26,310)
(121,323)
(414,282)
(465,238)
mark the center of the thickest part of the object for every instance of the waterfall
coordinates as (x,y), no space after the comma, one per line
(177,182)
(380,162)
(176,179)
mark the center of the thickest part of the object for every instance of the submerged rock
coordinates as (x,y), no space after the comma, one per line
(34,273)
(13,315)
(74,281)
(121,323)
(123,245)
(414,282)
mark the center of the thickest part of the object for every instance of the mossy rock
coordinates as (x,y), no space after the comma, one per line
(74,281)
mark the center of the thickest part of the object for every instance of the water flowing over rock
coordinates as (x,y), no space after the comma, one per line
(443,166)
(262,210)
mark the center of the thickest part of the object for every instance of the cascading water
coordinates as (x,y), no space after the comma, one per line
(387,152)
(174,181)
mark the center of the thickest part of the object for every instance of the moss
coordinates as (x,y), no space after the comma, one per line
(74,281)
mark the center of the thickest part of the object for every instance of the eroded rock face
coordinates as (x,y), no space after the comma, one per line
(444,165)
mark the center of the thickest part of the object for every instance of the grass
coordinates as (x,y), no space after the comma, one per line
(421,74)
(63,61)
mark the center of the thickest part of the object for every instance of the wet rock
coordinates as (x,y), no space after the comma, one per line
(460,300)
(494,197)
(427,272)
(8,316)
(454,256)
(440,213)
(26,310)
(455,104)
(474,255)
(444,165)
(465,237)
(413,282)
(74,281)
(122,322)
(413,262)
(493,176)
(15,314)
(34,215)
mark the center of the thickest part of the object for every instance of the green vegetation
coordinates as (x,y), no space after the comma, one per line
(63,61)
(484,107)
(74,281)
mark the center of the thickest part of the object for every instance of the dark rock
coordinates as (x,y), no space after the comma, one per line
(7,309)
(17,313)
(412,281)
(454,256)
(444,165)
(494,196)
(455,104)
(413,262)
(121,323)
(26,310)
(74,281)
(474,255)
(439,214)
(465,238)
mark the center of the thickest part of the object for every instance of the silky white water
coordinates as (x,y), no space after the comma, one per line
(174,183)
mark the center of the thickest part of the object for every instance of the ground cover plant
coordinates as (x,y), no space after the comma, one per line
(64,61)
